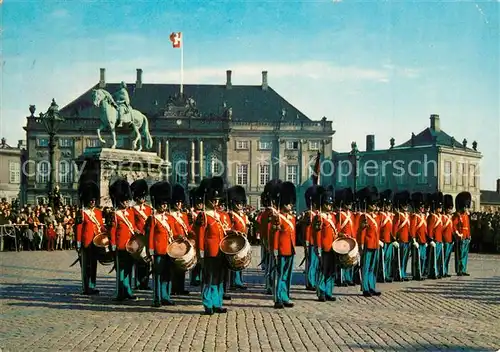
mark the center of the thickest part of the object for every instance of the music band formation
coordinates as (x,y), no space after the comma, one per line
(351,238)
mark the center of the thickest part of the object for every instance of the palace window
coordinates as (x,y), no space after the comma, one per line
(42,142)
(461,174)
(14,172)
(65,171)
(67,200)
(242,174)
(265,145)
(447,172)
(65,142)
(314,145)
(472,176)
(292,173)
(242,145)
(42,171)
(214,167)
(292,145)
(93,143)
(346,172)
(422,176)
(264,174)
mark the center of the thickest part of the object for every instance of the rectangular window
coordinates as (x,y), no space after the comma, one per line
(41,200)
(215,167)
(65,142)
(65,171)
(292,173)
(242,145)
(93,143)
(421,177)
(314,145)
(461,174)
(472,176)
(42,142)
(67,200)
(181,172)
(42,171)
(447,172)
(265,145)
(242,174)
(382,174)
(258,203)
(14,172)
(292,145)
(264,174)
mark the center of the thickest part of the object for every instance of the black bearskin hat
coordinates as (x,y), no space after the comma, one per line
(88,191)
(237,195)
(161,193)
(417,199)
(325,195)
(216,188)
(448,201)
(287,194)
(463,200)
(272,189)
(347,196)
(386,197)
(178,194)
(139,189)
(311,196)
(196,196)
(120,191)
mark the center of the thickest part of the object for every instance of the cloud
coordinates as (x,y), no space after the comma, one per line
(59,13)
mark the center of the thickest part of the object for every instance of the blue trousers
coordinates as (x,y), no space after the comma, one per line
(433,260)
(448,248)
(419,261)
(124,265)
(88,268)
(264,258)
(270,272)
(162,278)
(326,277)
(388,250)
(284,271)
(368,270)
(312,267)
(405,254)
(236,278)
(213,282)
(463,255)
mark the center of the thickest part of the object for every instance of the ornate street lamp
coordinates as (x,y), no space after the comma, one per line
(51,122)
(354,159)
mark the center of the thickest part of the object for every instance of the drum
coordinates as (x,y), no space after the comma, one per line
(237,250)
(183,253)
(103,254)
(137,248)
(347,250)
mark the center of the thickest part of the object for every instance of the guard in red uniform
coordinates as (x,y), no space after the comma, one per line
(209,230)
(418,231)
(401,231)
(435,232)
(369,239)
(142,211)
(181,228)
(447,233)
(283,238)
(197,203)
(386,236)
(347,226)
(461,230)
(325,232)
(239,222)
(310,247)
(226,224)
(89,224)
(160,236)
(122,229)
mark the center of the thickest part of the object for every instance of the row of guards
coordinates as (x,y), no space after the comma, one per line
(350,238)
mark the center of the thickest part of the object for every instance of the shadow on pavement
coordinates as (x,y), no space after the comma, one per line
(420,347)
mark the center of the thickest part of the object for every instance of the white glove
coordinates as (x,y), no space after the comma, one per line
(151,252)
(415,244)
(362,247)
(381,244)
(202,254)
(275,252)
(433,244)
(395,244)
(307,243)
(425,245)
(414,240)
(320,251)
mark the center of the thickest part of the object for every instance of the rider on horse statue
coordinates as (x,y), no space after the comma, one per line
(123,101)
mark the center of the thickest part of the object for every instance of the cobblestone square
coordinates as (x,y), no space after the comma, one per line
(42,310)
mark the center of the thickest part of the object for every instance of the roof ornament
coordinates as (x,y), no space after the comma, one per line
(452,142)
(412,139)
(464,143)
(283,114)
(392,141)
(474,146)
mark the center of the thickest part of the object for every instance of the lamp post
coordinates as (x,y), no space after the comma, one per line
(354,158)
(51,121)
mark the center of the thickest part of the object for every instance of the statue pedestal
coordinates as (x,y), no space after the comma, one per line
(105,165)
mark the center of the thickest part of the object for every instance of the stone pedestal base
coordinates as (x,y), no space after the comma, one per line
(105,165)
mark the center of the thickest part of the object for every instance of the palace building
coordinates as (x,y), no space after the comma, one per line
(428,162)
(248,134)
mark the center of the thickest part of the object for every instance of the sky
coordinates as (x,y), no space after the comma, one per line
(371,67)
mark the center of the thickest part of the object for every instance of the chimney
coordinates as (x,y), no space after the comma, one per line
(498,185)
(138,82)
(229,85)
(102,79)
(370,143)
(435,125)
(264,80)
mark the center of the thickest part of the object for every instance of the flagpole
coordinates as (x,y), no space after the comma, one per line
(182,64)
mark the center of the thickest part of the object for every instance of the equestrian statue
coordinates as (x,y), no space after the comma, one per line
(117,112)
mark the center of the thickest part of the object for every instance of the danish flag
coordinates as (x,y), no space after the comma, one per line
(176,39)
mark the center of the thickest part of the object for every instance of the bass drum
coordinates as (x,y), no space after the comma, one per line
(101,245)
(183,253)
(348,252)
(237,250)
(137,248)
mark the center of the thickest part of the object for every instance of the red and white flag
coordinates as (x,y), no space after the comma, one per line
(176,39)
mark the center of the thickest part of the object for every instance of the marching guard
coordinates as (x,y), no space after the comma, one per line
(401,230)
(209,232)
(239,222)
(447,233)
(461,229)
(310,250)
(88,225)
(282,238)
(142,211)
(418,229)
(160,236)
(122,230)
(197,203)
(435,232)
(181,228)
(347,227)
(325,232)
(369,235)
(386,236)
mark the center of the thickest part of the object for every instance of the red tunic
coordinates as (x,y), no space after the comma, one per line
(328,232)
(347,223)
(141,214)
(418,228)
(386,226)
(92,225)
(180,224)
(160,233)
(461,224)
(284,235)
(122,228)
(239,222)
(370,235)
(401,227)
(209,232)
(435,227)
